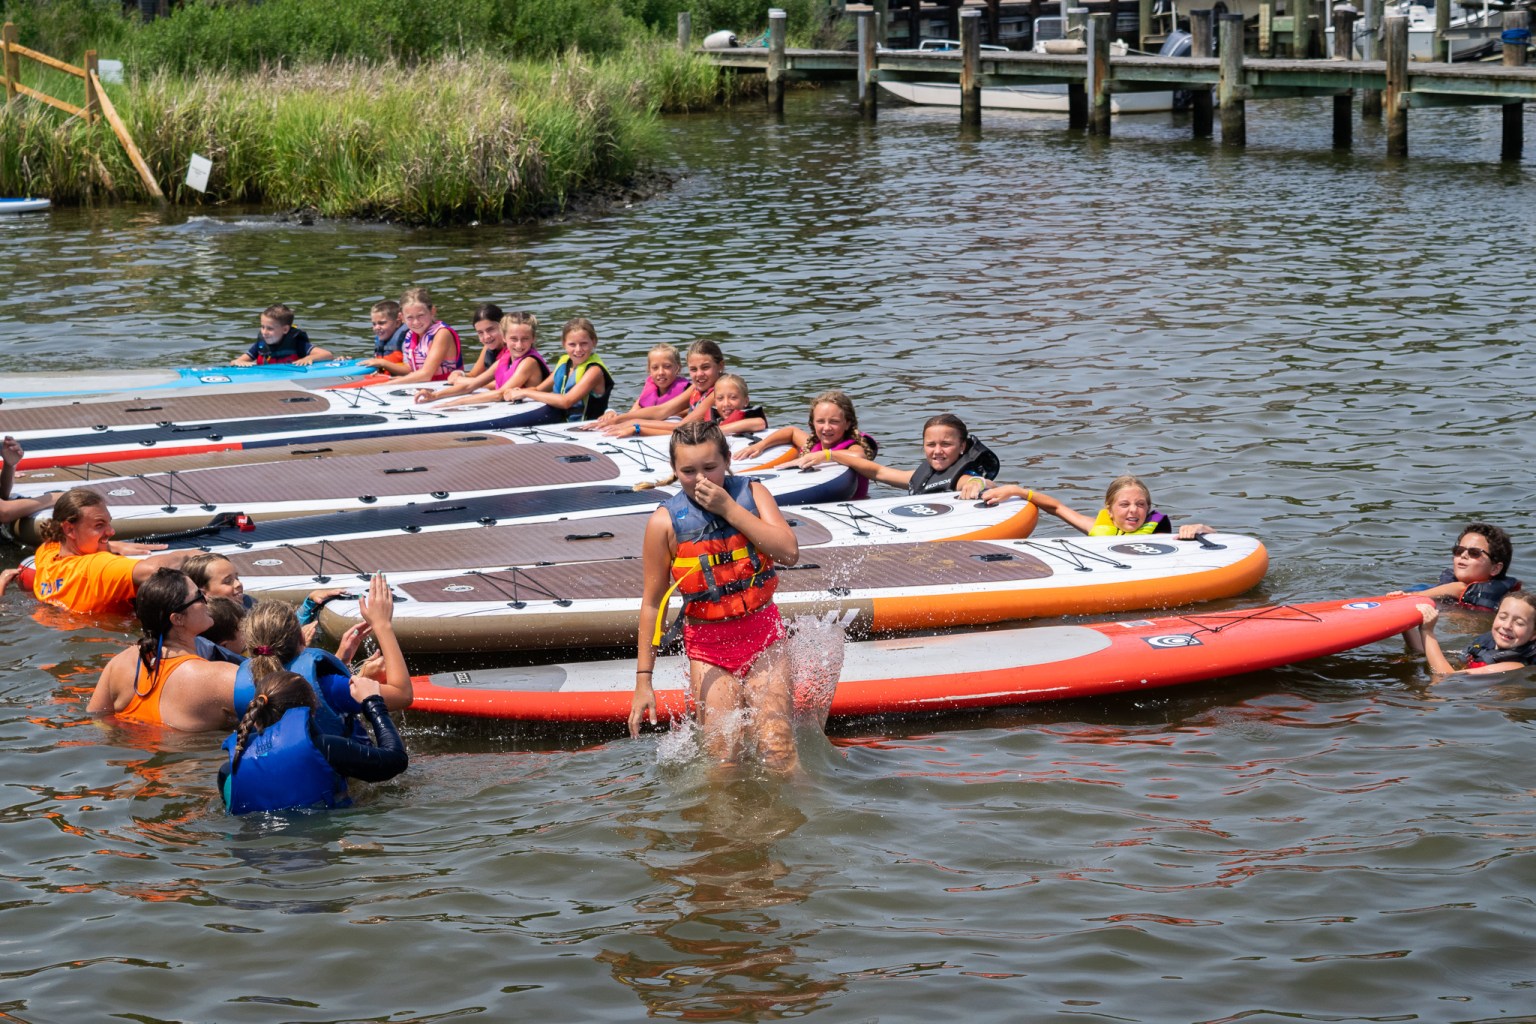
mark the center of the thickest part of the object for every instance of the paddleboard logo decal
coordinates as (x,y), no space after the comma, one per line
(1143,548)
(1170,640)
(121,492)
(268,561)
(458,588)
(921,510)
(214,378)
(1360,606)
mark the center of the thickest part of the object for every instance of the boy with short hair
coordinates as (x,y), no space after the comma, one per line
(389,333)
(280,342)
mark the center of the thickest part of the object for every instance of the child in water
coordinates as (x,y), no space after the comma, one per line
(664,384)
(1478,576)
(487,324)
(518,364)
(832,426)
(731,413)
(706,364)
(953,460)
(277,759)
(280,342)
(389,334)
(1127,510)
(716,542)
(431,351)
(579,387)
(1510,644)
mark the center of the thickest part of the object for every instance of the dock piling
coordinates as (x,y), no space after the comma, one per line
(970,67)
(777,21)
(1077,95)
(1143,23)
(1200,25)
(1343,105)
(1442,48)
(1370,99)
(684,29)
(882,21)
(1231,93)
(1097,86)
(868,77)
(1395,97)
(1517,36)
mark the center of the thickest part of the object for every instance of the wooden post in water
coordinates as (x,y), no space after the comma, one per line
(92,101)
(868,77)
(1395,53)
(1099,33)
(1370,99)
(970,68)
(914,23)
(1266,28)
(1201,46)
(776,25)
(1343,49)
(1077,95)
(1442,50)
(1303,30)
(995,22)
(1143,24)
(883,21)
(12,60)
(1231,92)
(1517,35)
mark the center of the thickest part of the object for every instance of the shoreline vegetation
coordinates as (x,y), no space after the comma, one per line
(522,124)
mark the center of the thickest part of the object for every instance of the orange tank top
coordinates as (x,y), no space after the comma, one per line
(148,689)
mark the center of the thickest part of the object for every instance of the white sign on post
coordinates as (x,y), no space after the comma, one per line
(198,171)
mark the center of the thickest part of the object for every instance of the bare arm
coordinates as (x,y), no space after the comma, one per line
(657,549)
(378,610)
(437,354)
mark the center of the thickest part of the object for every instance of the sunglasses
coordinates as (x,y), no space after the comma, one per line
(1459,550)
(190,602)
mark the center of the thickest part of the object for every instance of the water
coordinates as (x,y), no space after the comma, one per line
(1330,351)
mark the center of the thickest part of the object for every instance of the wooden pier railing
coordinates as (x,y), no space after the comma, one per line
(1392,85)
(97,103)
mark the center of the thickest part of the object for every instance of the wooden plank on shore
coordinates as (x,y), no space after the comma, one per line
(43,58)
(42,97)
(126,139)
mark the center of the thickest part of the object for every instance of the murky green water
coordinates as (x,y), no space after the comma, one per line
(1332,352)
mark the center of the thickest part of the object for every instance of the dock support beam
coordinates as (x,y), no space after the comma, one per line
(777,20)
(1442,48)
(1231,93)
(1077,95)
(684,29)
(868,77)
(970,67)
(1201,40)
(1343,49)
(1099,33)
(1370,99)
(883,21)
(1517,27)
(1395,99)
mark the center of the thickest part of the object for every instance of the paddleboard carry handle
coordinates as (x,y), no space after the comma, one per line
(405,469)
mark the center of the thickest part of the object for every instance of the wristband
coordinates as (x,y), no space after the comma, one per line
(829,455)
(1028,496)
(643,672)
(637,429)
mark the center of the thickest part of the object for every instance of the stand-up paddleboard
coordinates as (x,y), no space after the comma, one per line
(292,570)
(165,502)
(964,670)
(69,432)
(10,205)
(53,385)
(890,588)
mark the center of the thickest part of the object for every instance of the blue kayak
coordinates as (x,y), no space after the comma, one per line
(45,385)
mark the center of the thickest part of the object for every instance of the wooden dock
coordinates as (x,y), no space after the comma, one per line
(1389,87)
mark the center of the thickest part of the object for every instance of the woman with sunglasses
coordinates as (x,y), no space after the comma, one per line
(80,568)
(162,680)
(1478,577)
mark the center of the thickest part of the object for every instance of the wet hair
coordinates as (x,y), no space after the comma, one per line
(845,406)
(578,323)
(273,637)
(276,694)
(739,381)
(1120,483)
(198,567)
(389,307)
(487,311)
(279,312)
(67,510)
(707,347)
(519,318)
(697,432)
(162,595)
(1499,548)
(416,296)
(227,614)
(1525,597)
(669,351)
(948,419)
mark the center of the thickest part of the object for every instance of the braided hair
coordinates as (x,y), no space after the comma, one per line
(276,694)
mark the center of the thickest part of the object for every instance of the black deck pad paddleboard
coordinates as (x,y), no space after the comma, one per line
(412,518)
(192,433)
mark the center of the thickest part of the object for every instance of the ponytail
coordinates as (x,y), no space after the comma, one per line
(277,693)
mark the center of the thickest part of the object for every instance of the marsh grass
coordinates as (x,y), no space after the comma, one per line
(463,138)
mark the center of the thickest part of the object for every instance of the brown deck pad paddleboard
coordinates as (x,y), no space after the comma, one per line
(244,405)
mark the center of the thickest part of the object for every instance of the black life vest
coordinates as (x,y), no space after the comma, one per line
(976,460)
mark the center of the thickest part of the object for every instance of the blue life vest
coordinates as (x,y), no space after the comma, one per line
(281,768)
(335,715)
(567,376)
